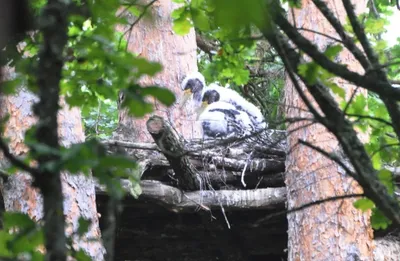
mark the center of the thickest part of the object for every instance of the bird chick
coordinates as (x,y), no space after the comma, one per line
(215,93)
(192,85)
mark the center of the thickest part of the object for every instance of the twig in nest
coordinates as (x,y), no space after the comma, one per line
(244,169)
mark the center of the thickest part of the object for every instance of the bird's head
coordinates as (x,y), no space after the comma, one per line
(209,97)
(193,84)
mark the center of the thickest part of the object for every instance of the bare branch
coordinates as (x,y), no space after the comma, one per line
(369,117)
(330,156)
(347,40)
(379,86)
(168,142)
(179,201)
(305,206)
(319,33)
(343,130)
(16,162)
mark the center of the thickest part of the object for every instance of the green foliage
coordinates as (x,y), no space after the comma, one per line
(364,204)
(20,235)
(98,67)
(233,24)
(379,220)
(100,122)
(83,226)
(237,58)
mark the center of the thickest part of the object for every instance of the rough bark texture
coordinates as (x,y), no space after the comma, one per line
(156,41)
(333,230)
(177,200)
(167,140)
(79,192)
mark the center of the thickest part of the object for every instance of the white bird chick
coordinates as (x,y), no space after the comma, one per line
(215,93)
(220,119)
(193,84)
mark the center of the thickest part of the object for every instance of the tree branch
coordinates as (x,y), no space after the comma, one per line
(168,142)
(348,139)
(305,206)
(378,86)
(359,32)
(319,33)
(16,162)
(179,201)
(369,117)
(348,42)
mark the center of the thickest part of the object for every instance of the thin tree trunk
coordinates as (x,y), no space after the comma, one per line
(156,41)
(334,230)
(79,193)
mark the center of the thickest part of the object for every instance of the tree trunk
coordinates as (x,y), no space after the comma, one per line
(334,230)
(79,191)
(156,41)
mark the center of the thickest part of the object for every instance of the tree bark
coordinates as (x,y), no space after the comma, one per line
(78,190)
(156,41)
(333,230)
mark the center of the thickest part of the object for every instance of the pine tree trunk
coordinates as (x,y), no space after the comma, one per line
(333,230)
(156,41)
(79,191)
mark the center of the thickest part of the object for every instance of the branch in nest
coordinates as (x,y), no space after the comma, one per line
(178,201)
(257,165)
(168,142)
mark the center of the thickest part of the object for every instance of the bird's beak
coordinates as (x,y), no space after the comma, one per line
(185,97)
(201,109)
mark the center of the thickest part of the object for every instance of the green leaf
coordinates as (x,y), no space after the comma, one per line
(4,241)
(332,51)
(117,161)
(309,71)
(201,20)
(146,67)
(336,89)
(164,95)
(379,220)
(17,220)
(359,105)
(83,226)
(27,241)
(177,13)
(135,190)
(37,256)
(377,161)
(381,45)
(9,87)
(82,256)
(197,3)
(135,11)
(241,76)
(182,26)
(81,157)
(364,204)
(386,177)
(374,26)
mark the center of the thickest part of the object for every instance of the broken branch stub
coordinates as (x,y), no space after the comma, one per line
(168,142)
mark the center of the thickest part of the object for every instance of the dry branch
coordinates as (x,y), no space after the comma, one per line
(179,201)
(172,148)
